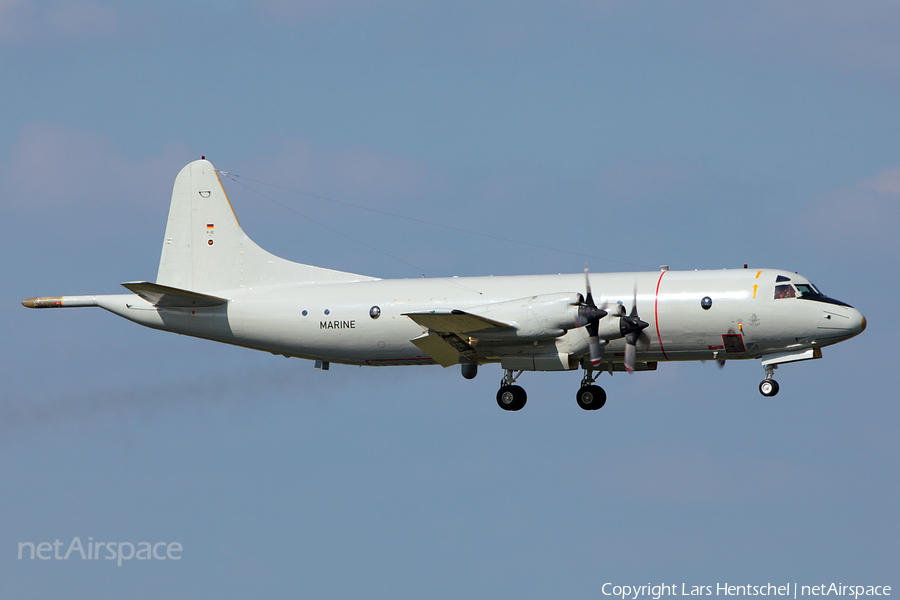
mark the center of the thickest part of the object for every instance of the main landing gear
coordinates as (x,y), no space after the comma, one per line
(590,396)
(511,397)
(769,387)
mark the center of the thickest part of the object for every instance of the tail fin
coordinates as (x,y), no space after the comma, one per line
(205,249)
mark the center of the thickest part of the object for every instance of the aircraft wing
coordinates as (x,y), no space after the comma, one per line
(454,321)
(163,296)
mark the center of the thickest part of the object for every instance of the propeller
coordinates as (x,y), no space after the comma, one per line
(632,328)
(591,315)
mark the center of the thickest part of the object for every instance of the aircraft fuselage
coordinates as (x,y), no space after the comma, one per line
(332,321)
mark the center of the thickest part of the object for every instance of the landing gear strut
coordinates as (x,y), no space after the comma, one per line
(590,396)
(511,397)
(769,387)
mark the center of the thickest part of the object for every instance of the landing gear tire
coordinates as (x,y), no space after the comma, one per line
(591,397)
(511,397)
(768,387)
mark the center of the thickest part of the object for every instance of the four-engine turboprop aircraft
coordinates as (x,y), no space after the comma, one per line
(215,283)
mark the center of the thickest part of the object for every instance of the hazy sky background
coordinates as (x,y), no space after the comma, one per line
(699,135)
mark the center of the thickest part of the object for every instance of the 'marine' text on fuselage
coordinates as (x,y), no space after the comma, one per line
(337,324)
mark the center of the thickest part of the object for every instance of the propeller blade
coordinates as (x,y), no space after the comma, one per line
(589,300)
(631,344)
(596,351)
(644,341)
(630,353)
(591,315)
(632,327)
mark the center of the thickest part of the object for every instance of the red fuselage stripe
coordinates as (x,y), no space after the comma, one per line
(656,315)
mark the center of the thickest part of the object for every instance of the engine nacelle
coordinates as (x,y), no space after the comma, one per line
(535,317)
(610,327)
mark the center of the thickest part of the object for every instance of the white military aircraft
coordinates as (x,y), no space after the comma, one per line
(215,283)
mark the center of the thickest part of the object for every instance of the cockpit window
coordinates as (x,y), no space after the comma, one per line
(807,290)
(781,278)
(784,291)
(804,291)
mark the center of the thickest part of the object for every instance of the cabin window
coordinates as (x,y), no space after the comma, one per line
(784,291)
(706,303)
(374,312)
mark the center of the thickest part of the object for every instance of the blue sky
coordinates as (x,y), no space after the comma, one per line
(705,135)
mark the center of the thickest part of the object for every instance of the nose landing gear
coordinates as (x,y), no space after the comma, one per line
(768,387)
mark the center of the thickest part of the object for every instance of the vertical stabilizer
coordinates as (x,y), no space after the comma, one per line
(205,249)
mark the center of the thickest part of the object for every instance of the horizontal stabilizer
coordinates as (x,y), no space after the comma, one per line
(163,296)
(455,321)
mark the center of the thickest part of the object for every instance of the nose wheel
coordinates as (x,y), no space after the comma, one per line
(768,387)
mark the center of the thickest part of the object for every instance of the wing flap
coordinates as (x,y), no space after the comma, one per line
(437,348)
(163,296)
